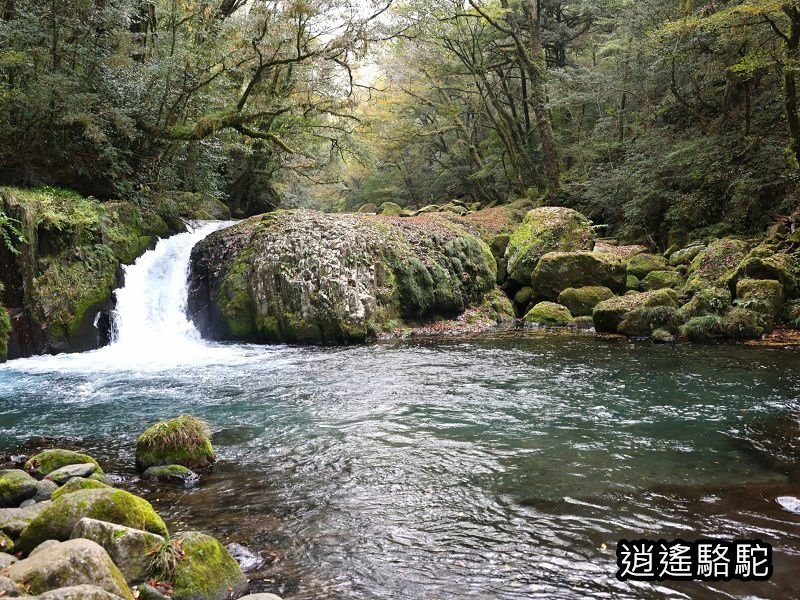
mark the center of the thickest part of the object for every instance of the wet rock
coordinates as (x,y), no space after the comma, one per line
(65,473)
(581,301)
(308,277)
(71,563)
(208,572)
(129,548)
(549,314)
(16,486)
(184,440)
(543,230)
(790,504)
(247,559)
(172,474)
(148,592)
(260,597)
(114,506)
(48,461)
(557,271)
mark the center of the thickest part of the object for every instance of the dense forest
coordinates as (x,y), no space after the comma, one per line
(661,120)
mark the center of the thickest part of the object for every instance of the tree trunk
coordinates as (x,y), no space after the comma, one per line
(790,85)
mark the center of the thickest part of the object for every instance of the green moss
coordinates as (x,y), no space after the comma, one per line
(708,328)
(557,271)
(640,265)
(743,324)
(15,487)
(662,336)
(791,314)
(707,301)
(581,301)
(643,321)
(58,519)
(5,328)
(632,282)
(75,484)
(656,280)
(608,314)
(6,544)
(543,230)
(48,461)
(768,262)
(170,473)
(234,300)
(763,296)
(522,297)
(208,570)
(183,440)
(716,265)
(390,209)
(548,313)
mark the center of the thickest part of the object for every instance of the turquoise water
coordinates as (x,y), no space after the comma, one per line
(505,466)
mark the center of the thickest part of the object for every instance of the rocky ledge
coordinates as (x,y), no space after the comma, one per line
(66,533)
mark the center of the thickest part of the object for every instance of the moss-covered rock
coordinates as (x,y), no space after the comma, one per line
(743,324)
(523,296)
(58,519)
(16,486)
(686,255)
(621,252)
(644,320)
(549,314)
(716,265)
(546,229)
(766,261)
(390,209)
(656,280)
(662,336)
(609,314)
(581,301)
(48,461)
(706,328)
(70,563)
(184,440)
(76,484)
(66,270)
(708,301)
(308,277)
(208,571)
(762,296)
(791,314)
(640,265)
(557,271)
(171,474)
(632,282)
(368,208)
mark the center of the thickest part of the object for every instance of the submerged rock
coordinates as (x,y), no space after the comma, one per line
(184,441)
(57,520)
(308,277)
(247,559)
(546,229)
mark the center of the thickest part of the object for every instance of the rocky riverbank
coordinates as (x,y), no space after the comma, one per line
(68,533)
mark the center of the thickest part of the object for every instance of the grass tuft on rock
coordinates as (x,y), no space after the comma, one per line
(184,440)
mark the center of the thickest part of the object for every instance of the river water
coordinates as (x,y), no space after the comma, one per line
(500,466)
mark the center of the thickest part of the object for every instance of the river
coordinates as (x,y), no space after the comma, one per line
(500,466)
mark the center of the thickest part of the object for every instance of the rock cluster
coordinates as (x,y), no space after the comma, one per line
(68,533)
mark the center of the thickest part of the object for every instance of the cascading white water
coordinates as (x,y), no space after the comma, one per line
(151,307)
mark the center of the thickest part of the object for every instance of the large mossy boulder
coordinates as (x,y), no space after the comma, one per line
(581,301)
(762,296)
(44,463)
(184,440)
(549,314)
(708,301)
(644,321)
(557,271)
(546,229)
(640,265)
(766,261)
(16,486)
(716,265)
(608,315)
(57,520)
(70,563)
(66,269)
(656,280)
(390,209)
(208,571)
(132,550)
(308,277)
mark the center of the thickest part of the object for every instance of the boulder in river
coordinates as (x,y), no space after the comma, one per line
(557,271)
(64,474)
(548,314)
(543,230)
(70,563)
(58,519)
(208,571)
(171,474)
(308,277)
(184,440)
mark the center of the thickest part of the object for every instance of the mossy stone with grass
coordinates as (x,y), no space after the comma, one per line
(642,321)
(207,571)
(608,314)
(57,519)
(706,328)
(184,440)
(763,296)
(708,301)
(791,314)
(743,324)
(46,462)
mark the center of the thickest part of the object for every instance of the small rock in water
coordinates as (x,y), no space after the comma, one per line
(790,503)
(172,474)
(247,559)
